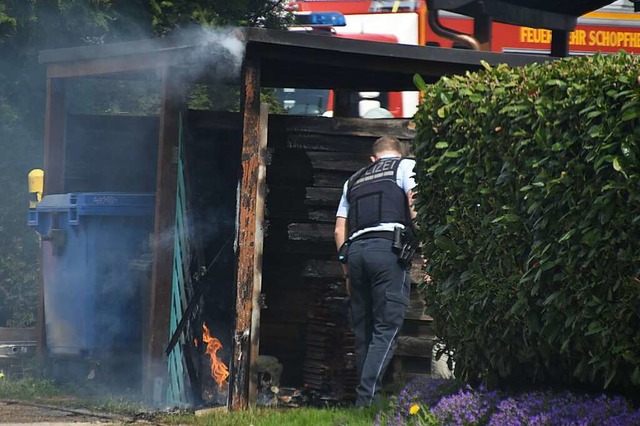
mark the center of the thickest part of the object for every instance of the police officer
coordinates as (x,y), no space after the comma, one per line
(375,201)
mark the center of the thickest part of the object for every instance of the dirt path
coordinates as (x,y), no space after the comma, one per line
(19,412)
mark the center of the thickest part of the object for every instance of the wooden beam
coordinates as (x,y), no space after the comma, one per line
(559,43)
(54,143)
(340,127)
(155,381)
(54,152)
(341,103)
(257,261)
(118,64)
(246,235)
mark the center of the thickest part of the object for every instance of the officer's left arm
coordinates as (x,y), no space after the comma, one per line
(340,231)
(411,201)
(409,184)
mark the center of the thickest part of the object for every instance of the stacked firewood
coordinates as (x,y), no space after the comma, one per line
(329,366)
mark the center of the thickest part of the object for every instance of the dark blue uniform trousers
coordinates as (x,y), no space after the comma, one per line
(379,300)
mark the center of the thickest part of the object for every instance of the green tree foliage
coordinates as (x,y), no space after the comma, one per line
(169,15)
(18,256)
(26,28)
(530,214)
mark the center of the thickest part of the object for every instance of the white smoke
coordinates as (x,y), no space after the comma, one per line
(218,53)
(229,40)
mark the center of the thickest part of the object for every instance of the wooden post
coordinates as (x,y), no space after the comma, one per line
(257,275)
(482,26)
(54,123)
(341,107)
(559,43)
(54,142)
(155,381)
(246,226)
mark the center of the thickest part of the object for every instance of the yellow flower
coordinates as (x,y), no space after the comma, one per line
(414,409)
(1,374)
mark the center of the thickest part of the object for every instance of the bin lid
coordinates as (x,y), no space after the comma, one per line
(99,203)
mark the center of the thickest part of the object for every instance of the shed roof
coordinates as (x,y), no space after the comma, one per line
(287,59)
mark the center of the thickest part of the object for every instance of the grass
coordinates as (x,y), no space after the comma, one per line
(28,389)
(280,417)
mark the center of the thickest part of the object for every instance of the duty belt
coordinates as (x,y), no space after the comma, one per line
(387,235)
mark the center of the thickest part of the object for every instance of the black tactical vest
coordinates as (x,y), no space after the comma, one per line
(374,196)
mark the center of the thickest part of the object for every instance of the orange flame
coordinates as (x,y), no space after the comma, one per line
(219,370)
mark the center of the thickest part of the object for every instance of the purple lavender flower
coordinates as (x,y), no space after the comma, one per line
(546,408)
(454,406)
(509,413)
(467,407)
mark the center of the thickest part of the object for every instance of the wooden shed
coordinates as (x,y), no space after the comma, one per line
(244,202)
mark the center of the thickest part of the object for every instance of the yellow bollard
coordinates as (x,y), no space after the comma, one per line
(36,186)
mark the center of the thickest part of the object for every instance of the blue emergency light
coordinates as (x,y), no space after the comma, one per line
(320,19)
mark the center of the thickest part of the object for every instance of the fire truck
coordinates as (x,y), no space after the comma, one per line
(613,28)
(610,29)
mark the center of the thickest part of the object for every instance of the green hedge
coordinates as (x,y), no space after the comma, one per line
(529,207)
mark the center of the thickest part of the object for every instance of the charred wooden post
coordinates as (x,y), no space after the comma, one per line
(54,144)
(249,263)
(165,212)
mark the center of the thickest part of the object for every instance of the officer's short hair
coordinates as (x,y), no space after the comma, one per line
(386,143)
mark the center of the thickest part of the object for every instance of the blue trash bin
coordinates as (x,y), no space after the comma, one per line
(92,299)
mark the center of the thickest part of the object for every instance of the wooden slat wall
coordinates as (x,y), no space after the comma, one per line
(311,157)
(111,153)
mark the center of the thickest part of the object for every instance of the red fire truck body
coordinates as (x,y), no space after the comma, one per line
(608,30)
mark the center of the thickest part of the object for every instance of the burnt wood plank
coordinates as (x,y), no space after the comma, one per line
(315,268)
(419,347)
(322,142)
(290,167)
(415,365)
(312,214)
(323,196)
(311,232)
(246,235)
(301,197)
(418,327)
(334,179)
(338,161)
(397,127)
(284,247)
(314,168)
